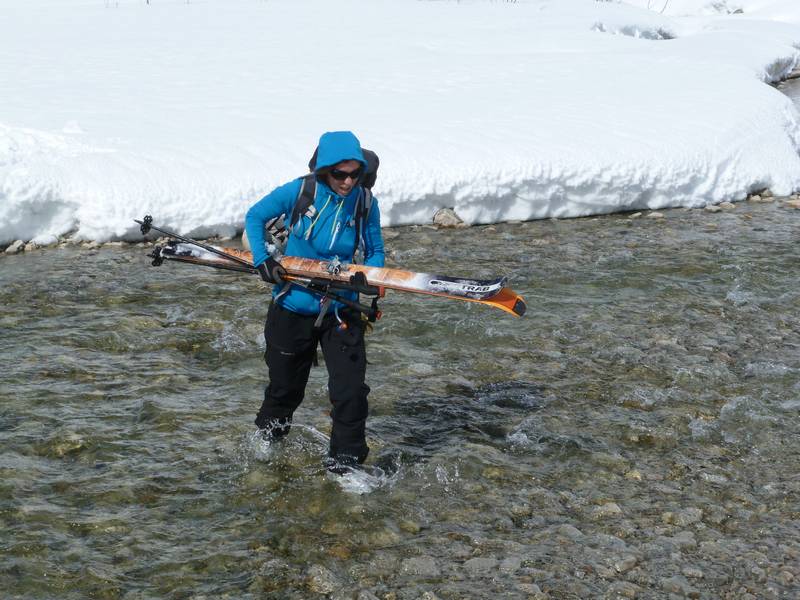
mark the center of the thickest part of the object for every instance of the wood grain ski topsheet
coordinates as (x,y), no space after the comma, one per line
(492,292)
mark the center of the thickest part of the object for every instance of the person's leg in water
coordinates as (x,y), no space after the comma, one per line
(291,347)
(345,357)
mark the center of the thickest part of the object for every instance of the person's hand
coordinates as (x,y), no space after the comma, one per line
(359,279)
(271,271)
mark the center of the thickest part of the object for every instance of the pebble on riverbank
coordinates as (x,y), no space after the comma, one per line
(447,218)
(20,246)
(16,247)
(720,207)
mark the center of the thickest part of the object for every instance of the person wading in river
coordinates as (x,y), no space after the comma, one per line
(333,227)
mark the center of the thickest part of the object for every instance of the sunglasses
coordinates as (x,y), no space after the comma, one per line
(340,175)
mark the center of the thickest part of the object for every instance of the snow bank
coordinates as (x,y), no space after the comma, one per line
(775,10)
(191,112)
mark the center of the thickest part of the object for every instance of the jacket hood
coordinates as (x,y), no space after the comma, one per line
(336,146)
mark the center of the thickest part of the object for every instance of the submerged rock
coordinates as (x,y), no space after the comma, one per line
(693,573)
(410,526)
(622,589)
(321,580)
(481,567)
(679,585)
(626,563)
(570,532)
(609,509)
(511,565)
(65,445)
(532,590)
(684,517)
(424,566)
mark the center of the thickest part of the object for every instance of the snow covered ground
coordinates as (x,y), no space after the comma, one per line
(191,111)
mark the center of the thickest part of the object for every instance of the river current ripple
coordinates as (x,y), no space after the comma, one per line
(634,435)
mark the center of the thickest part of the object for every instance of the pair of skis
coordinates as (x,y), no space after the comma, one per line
(329,278)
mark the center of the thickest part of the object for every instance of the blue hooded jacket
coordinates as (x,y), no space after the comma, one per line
(333,231)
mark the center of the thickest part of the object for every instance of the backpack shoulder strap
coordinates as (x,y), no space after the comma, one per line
(305,198)
(363,207)
(367,206)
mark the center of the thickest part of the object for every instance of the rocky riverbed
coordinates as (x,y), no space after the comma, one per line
(634,435)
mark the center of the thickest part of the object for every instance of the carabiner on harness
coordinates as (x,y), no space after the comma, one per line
(342,324)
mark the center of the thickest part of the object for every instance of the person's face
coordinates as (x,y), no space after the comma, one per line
(343,176)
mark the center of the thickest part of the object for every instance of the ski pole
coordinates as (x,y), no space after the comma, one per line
(159,256)
(147,225)
(372,312)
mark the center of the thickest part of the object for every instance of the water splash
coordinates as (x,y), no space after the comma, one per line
(366,479)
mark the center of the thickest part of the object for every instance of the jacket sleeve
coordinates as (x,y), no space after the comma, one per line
(373,238)
(279,201)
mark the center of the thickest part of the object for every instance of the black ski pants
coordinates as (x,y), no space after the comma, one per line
(292,343)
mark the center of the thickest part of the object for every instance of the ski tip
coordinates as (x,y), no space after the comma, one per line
(519,307)
(507,300)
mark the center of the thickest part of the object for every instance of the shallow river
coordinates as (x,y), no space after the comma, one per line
(634,435)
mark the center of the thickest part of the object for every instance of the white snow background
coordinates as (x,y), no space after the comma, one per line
(191,111)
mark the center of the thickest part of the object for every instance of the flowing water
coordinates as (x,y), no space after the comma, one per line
(634,435)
